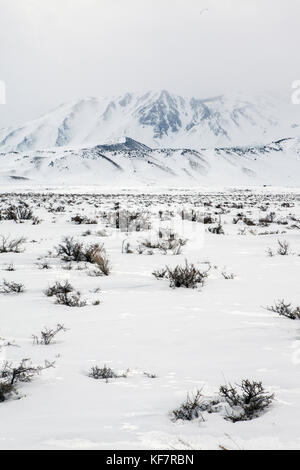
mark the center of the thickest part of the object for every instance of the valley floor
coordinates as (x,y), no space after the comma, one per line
(167,341)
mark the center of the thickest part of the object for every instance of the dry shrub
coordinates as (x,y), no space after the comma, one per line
(104,373)
(246,401)
(65,295)
(14,245)
(11,375)
(102,262)
(183,276)
(11,287)
(48,334)
(71,250)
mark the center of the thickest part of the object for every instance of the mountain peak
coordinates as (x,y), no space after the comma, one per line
(159,119)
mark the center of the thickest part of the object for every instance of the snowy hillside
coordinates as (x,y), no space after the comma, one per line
(159,119)
(132,163)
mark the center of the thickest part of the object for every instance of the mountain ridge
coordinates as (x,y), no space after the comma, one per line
(131,163)
(158,119)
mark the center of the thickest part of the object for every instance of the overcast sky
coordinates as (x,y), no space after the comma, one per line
(52,51)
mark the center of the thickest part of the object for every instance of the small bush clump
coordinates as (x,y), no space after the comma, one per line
(79,220)
(59,288)
(65,295)
(17,213)
(48,334)
(194,406)
(10,267)
(216,229)
(267,220)
(10,287)
(285,309)
(11,375)
(238,403)
(168,241)
(183,276)
(228,276)
(190,409)
(71,250)
(70,300)
(104,373)
(14,245)
(101,261)
(246,401)
(283,248)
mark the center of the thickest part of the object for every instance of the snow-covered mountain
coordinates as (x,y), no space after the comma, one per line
(131,163)
(158,119)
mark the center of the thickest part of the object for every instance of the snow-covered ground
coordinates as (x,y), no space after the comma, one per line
(189,338)
(159,119)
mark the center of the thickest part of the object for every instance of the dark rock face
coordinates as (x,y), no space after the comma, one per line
(162,115)
(63,134)
(125,101)
(129,144)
